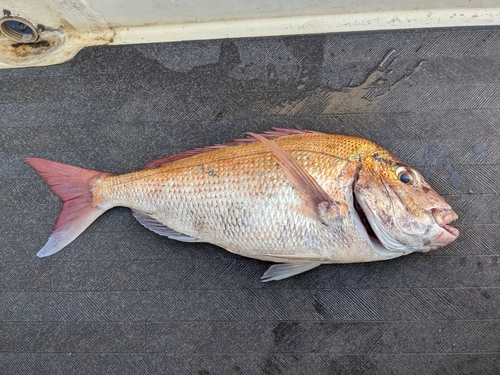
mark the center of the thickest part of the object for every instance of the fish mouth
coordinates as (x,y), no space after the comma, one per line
(448,233)
(444,216)
(451,230)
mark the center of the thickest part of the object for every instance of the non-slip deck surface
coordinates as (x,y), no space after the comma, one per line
(122,300)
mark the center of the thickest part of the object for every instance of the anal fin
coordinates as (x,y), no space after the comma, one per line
(157,227)
(284,270)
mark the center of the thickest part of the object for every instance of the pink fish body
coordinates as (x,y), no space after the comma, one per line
(301,199)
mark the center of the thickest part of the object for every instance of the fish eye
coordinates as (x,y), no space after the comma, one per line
(404,175)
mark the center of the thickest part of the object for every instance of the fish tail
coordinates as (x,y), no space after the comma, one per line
(73,186)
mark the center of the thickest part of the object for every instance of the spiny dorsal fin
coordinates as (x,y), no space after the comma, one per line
(278,132)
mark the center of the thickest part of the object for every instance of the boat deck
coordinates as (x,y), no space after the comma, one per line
(123,300)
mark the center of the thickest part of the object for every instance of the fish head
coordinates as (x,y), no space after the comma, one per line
(401,209)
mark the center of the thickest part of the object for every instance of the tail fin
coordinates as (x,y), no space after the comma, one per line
(72,186)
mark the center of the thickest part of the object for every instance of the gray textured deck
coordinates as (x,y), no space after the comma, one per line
(122,300)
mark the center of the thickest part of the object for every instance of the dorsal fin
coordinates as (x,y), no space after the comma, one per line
(276,133)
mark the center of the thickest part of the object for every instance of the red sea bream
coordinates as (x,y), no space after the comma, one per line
(296,198)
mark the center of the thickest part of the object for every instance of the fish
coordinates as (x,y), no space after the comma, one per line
(297,198)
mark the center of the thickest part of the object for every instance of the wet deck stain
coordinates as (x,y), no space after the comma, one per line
(480,149)
(455,178)
(281,89)
(282,330)
(271,367)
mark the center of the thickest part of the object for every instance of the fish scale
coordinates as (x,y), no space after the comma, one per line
(237,198)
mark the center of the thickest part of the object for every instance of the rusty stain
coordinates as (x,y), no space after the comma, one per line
(10,50)
(16,53)
(27,47)
(55,45)
(42,43)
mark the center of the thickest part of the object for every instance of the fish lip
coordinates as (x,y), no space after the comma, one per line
(451,230)
(444,216)
(447,235)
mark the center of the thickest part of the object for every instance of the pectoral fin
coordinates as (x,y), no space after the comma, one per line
(317,203)
(283,270)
